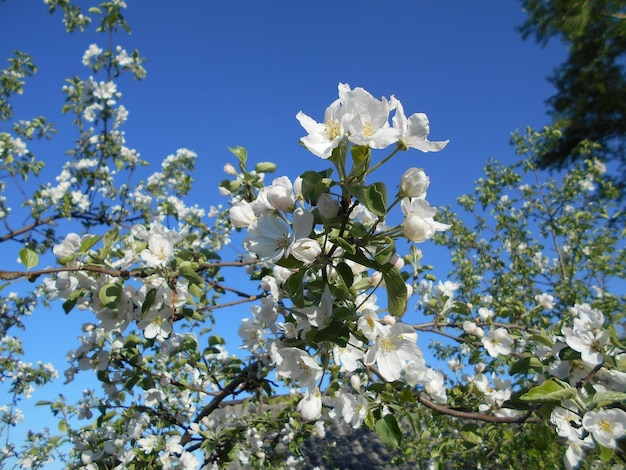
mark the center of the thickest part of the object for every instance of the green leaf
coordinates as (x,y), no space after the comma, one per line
(69,304)
(471,438)
(345,244)
(149,301)
(336,331)
(189,273)
(215,340)
(290,262)
(377,198)
(110,294)
(541,340)
(29,258)
(606,397)
(386,253)
(111,237)
(346,273)
(407,396)
(361,155)
(525,364)
(606,453)
(88,243)
(241,154)
(543,436)
(397,295)
(551,391)
(388,431)
(314,184)
(295,288)
(343,313)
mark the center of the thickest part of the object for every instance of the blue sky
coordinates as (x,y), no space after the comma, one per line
(236,73)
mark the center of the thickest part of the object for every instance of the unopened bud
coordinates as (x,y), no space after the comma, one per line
(265,167)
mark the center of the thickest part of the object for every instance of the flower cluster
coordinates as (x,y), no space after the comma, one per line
(364,120)
(302,229)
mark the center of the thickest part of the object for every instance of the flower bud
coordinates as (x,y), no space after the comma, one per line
(229,169)
(328,206)
(355,381)
(265,167)
(241,214)
(376,278)
(416,229)
(414,183)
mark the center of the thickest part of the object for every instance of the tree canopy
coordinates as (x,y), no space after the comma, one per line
(528,363)
(590,99)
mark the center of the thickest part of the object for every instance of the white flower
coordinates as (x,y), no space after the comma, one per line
(92,51)
(414,183)
(148,444)
(327,206)
(241,214)
(122,58)
(588,343)
(472,328)
(280,194)
(251,332)
(306,250)
(324,137)
(350,355)
(352,408)
(419,225)
(369,325)
(268,237)
(498,342)
(153,397)
(68,246)
(392,349)
(156,324)
(310,407)
(545,300)
(161,243)
(606,426)
(368,122)
(414,130)
(485,313)
(296,364)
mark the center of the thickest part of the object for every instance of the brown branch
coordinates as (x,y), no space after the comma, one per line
(230,389)
(582,382)
(230,304)
(13,275)
(477,416)
(28,228)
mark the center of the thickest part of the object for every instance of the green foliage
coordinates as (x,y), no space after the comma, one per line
(589,104)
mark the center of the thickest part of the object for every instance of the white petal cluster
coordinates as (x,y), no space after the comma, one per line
(364,120)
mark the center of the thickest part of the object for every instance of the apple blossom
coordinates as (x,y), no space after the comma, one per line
(414,183)
(419,224)
(241,214)
(498,342)
(324,137)
(414,130)
(281,196)
(392,349)
(368,120)
(327,206)
(310,407)
(607,426)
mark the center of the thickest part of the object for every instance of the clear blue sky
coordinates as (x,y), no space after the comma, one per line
(236,73)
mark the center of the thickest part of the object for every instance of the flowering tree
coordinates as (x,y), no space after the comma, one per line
(533,344)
